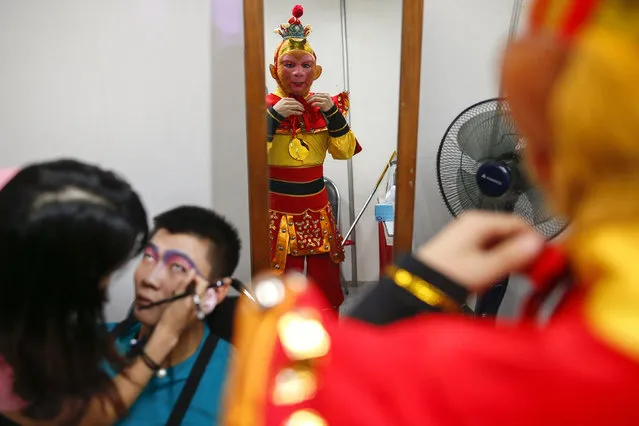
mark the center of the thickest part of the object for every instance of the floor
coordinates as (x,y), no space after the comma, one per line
(354,292)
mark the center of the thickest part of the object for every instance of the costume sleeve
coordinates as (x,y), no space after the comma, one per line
(343,143)
(388,302)
(273,120)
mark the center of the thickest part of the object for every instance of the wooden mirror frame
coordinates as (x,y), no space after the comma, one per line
(409,91)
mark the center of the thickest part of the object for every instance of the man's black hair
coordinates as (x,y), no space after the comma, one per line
(205,223)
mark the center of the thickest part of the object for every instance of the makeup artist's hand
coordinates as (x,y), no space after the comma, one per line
(183,312)
(321,100)
(288,106)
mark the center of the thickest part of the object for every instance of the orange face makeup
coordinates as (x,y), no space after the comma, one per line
(296,72)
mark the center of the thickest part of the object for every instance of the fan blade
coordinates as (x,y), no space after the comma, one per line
(467,190)
(506,138)
(470,139)
(538,205)
(489,134)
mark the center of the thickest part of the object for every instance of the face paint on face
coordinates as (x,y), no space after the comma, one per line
(296,72)
(174,263)
(166,263)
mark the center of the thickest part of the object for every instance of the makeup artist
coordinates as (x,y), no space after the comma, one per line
(65,228)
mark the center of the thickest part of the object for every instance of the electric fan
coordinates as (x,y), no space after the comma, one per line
(479,167)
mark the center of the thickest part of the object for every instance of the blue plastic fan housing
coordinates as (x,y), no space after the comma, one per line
(493,179)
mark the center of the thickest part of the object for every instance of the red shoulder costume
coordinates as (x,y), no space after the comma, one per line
(302,224)
(573,88)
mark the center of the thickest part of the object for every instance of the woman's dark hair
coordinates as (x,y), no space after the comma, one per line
(65,227)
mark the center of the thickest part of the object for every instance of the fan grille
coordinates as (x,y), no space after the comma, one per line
(486,131)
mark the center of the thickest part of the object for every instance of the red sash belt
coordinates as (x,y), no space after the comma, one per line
(296,174)
(297,204)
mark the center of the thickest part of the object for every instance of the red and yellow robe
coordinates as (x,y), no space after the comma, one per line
(301,219)
(298,364)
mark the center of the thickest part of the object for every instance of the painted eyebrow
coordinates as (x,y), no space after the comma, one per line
(153,247)
(182,255)
(185,257)
(172,252)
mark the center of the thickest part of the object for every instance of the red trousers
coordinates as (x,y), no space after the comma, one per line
(323,271)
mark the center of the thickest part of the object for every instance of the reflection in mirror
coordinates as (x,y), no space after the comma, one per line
(321,56)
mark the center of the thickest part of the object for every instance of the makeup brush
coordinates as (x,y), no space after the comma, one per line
(190,291)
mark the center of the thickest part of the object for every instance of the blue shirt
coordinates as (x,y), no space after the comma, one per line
(155,403)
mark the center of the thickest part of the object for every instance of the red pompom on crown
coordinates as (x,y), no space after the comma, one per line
(294,28)
(298,11)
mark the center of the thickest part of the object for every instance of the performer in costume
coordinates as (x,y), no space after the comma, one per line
(573,89)
(302,127)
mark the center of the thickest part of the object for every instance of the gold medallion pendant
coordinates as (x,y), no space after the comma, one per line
(298,149)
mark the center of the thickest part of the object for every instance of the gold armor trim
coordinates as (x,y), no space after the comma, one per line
(279,260)
(257,333)
(305,418)
(423,290)
(303,336)
(294,385)
(319,241)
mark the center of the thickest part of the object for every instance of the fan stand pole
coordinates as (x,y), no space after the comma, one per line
(512,29)
(349,162)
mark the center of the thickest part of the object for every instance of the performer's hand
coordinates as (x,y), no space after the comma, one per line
(288,106)
(481,248)
(321,100)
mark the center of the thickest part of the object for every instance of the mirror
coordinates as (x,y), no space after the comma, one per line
(332,71)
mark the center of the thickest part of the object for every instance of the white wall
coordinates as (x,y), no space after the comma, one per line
(374,50)
(225,59)
(460,59)
(127,84)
